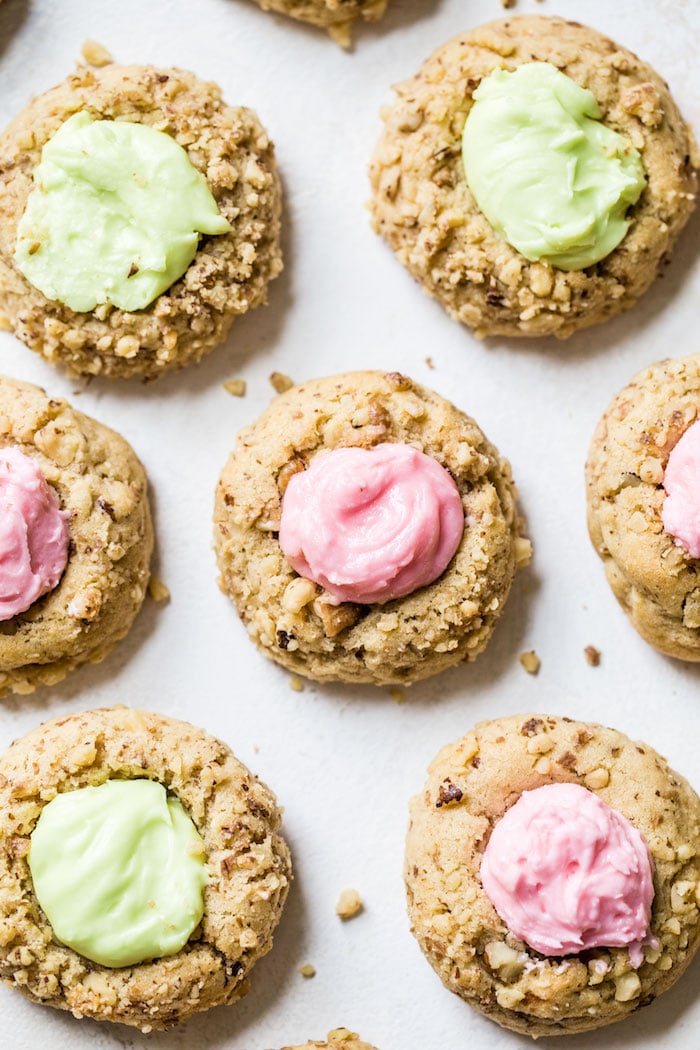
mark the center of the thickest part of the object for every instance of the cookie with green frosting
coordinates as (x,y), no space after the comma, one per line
(139,216)
(142,870)
(533,176)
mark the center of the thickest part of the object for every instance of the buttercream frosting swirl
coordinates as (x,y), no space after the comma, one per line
(371,525)
(33,534)
(566,872)
(681,509)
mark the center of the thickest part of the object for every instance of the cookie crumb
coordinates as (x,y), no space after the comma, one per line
(341,32)
(398,695)
(592,655)
(95,54)
(530,661)
(507,3)
(429,362)
(307,970)
(349,905)
(235,387)
(157,590)
(296,684)
(281,382)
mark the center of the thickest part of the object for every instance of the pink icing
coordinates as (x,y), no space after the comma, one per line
(371,525)
(566,872)
(681,509)
(33,534)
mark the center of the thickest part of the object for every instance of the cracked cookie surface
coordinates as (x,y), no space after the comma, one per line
(654,579)
(248,861)
(228,275)
(422,206)
(290,618)
(103,486)
(471,783)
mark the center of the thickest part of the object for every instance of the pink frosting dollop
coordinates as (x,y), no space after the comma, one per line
(566,872)
(681,510)
(33,534)
(371,525)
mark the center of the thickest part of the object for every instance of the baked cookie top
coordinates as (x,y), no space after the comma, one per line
(102,490)
(230,271)
(471,784)
(247,860)
(654,577)
(422,205)
(294,620)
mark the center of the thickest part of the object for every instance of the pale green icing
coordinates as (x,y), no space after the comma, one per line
(115,215)
(119,870)
(551,179)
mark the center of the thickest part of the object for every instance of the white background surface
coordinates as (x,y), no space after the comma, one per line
(344,761)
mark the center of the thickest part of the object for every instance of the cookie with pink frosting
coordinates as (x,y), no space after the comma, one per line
(643,482)
(75,538)
(367,530)
(553,873)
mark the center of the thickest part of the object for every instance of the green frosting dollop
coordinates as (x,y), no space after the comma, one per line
(551,179)
(115,215)
(119,870)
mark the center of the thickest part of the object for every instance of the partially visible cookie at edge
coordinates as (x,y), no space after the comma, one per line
(102,488)
(471,784)
(422,206)
(238,820)
(229,273)
(295,621)
(338,1039)
(652,576)
(339,17)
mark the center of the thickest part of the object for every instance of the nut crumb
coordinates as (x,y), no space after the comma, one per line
(507,3)
(95,54)
(281,382)
(307,970)
(429,362)
(157,590)
(398,695)
(235,387)
(349,905)
(296,683)
(341,33)
(530,661)
(592,655)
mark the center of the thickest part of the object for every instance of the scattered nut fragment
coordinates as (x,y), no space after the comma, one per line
(349,905)
(281,382)
(507,3)
(530,661)
(398,695)
(307,970)
(157,590)
(296,683)
(592,655)
(95,54)
(236,387)
(341,33)
(429,362)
